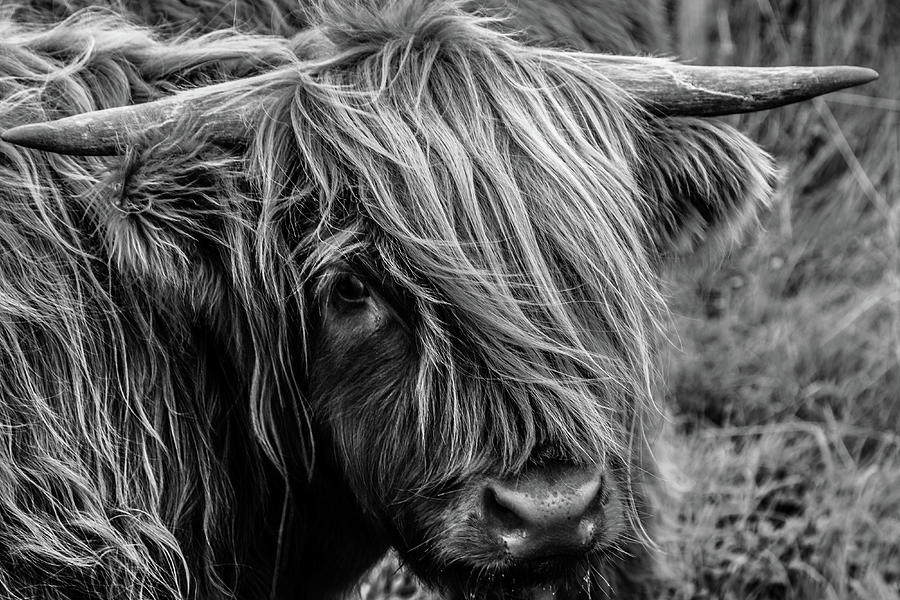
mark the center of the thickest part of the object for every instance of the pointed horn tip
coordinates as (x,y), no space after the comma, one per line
(49,137)
(28,136)
(852,76)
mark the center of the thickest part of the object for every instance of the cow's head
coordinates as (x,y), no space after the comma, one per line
(465,231)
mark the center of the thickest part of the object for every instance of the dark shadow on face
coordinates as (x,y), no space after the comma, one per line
(554,526)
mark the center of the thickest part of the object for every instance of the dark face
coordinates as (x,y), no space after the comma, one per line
(552,526)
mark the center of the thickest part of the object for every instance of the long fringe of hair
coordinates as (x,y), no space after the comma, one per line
(493,183)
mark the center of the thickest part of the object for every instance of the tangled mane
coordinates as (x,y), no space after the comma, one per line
(494,185)
(175,17)
(156,309)
(121,433)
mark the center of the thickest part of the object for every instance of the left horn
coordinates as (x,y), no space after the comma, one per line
(673,89)
(110,131)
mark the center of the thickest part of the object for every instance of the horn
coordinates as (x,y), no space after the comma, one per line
(110,131)
(663,87)
(673,89)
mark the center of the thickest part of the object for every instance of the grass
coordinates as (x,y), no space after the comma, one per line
(785,385)
(790,510)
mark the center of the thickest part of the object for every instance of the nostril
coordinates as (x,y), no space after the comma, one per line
(603,491)
(499,512)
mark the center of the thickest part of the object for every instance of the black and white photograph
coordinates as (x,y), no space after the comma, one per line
(449,299)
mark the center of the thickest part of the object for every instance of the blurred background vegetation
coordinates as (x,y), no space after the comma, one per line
(786,385)
(784,372)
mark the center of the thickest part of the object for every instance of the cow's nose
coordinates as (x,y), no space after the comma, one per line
(546,512)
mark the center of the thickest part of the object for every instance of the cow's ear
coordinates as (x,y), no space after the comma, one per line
(168,215)
(704,183)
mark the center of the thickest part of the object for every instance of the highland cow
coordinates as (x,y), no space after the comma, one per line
(270,306)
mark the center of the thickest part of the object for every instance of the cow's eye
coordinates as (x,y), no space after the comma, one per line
(350,289)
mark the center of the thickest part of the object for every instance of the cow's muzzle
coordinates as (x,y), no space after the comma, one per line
(545,513)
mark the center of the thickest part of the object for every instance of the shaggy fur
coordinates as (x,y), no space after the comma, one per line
(281,17)
(184,412)
(614,26)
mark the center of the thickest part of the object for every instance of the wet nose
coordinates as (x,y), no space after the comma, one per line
(546,512)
